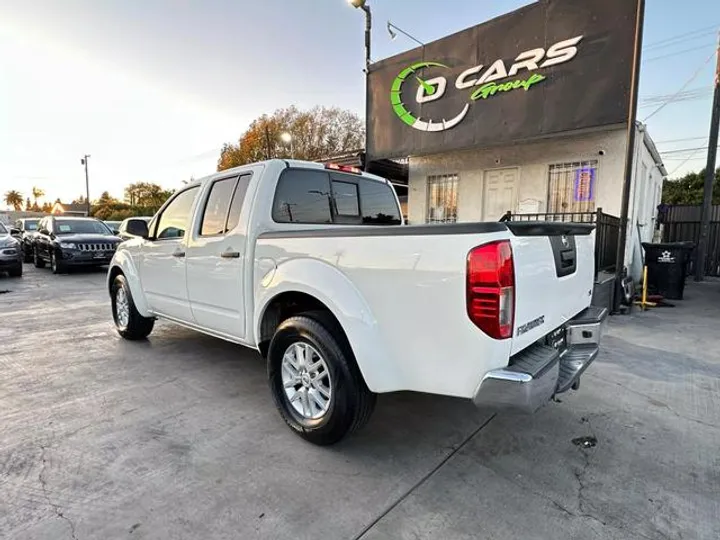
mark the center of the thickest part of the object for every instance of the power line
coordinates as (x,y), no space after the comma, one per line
(683,150)
(706,30)
(681,140)
(682,88)
(654,58)
(683,163)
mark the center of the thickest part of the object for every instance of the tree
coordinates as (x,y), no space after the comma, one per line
(37,193)
(15,199)
(690,189)
(46,207)
(316,134)
(146,195)
(28,204)
(79,200)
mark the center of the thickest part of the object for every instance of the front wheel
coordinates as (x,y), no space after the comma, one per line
(128,321)
(56,265)
(315,382)
(16,271)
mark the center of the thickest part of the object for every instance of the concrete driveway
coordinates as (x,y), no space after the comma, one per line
(177,437)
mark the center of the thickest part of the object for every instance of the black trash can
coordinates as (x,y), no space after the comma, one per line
(667,268)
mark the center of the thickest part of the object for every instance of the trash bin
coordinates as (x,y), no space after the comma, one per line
(667,268)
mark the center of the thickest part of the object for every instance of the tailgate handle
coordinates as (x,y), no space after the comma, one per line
(567,258)
(230,254)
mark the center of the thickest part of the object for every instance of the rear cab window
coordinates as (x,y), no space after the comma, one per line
(316,196)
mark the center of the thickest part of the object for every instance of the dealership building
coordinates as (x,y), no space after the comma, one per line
(526,114)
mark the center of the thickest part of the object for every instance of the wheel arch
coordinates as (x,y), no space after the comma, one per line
(123,264)
(311,285)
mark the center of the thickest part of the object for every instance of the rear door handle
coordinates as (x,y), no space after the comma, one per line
(178,254)
(230,254)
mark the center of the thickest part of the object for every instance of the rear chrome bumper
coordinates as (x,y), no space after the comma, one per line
(539,372)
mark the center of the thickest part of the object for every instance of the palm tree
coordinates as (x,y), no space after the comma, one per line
(15,199)
(37,193)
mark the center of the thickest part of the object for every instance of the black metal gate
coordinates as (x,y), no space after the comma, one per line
(681,223)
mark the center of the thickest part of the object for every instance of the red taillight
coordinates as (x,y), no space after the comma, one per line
(491,289)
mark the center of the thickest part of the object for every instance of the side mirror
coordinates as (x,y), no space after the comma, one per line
(15,232)
(44,231)
(115,232)
(137,227)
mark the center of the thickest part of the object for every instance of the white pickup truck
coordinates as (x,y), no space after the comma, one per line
(312,266)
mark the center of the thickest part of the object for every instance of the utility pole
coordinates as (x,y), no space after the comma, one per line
(84,161)
(630,150)
(709,176)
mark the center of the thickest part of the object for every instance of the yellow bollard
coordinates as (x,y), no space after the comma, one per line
(645,284)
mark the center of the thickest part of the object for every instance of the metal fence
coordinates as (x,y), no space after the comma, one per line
(681,223)
(607,232)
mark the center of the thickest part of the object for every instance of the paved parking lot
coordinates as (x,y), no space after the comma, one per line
(177,437)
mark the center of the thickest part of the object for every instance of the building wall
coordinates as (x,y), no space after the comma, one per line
(532,160)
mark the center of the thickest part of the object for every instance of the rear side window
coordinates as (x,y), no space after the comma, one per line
(216,208)
(378,203)
(237,201)
(303,196)
(346,198)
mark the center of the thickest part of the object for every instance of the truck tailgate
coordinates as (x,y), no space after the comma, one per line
(554,276)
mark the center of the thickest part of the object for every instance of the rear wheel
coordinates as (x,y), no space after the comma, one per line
(38,261)
(128,321)
(315,382)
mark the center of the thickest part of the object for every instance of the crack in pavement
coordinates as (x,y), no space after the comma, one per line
(580,477)
(424,479)
(43,484)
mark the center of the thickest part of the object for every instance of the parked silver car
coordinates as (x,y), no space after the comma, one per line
(11,257)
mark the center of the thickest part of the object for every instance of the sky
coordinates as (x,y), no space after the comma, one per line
(151,89)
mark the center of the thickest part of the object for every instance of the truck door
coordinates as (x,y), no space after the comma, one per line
(163,258)
(216,257)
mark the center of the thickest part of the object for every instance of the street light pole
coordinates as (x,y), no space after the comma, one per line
(362,4)
(84,161)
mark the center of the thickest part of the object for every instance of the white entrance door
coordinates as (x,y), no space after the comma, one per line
(500,193)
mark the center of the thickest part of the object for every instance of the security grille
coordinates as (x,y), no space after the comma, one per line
(571,186)
(442,193)
(96,247)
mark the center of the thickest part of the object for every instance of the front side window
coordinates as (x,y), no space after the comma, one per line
(303,196)
(572,186)
(442,198)
(216,209)
(175,218)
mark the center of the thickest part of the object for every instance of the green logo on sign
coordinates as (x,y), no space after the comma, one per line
(484,84)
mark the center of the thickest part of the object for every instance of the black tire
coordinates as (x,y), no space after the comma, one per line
(56,265)
(137,327)
(17,271)
(351,402)
(38,261)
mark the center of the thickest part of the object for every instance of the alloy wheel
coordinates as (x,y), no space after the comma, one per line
(306,380)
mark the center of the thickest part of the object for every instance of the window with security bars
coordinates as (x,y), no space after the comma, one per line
(442,194)
(572,186)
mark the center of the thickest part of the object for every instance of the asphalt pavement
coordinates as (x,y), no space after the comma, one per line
(177,438)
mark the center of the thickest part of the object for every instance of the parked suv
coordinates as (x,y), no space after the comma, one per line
(73,241)
(10,253)
(28,228)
